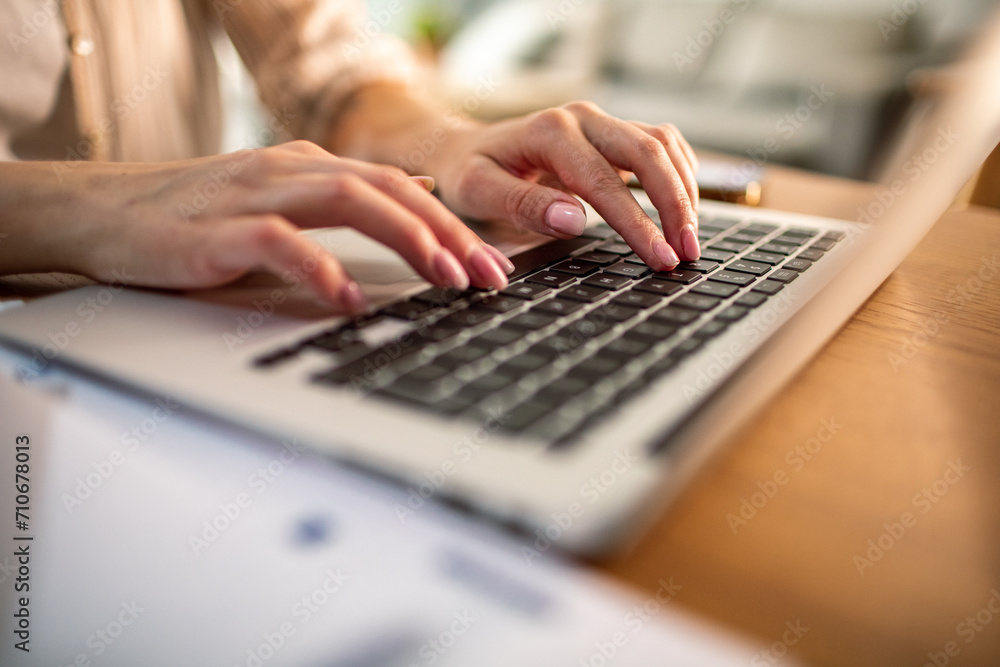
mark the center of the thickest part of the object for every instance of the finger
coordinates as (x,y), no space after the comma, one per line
(221,252)
(559,144)
(486,266)
(678,156)
(347,199)
(628,147)
(489,191)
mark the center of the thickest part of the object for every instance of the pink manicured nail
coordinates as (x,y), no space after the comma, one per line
(487,269)
(689,240)
(505,264)
(449,271)
(566,218)
(353,299)
(426,181)
(665,254)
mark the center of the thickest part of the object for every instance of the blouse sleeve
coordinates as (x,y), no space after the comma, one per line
(309,56)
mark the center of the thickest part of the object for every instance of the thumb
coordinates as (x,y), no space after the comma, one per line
(492,192)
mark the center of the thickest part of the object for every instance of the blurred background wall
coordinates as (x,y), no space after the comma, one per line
(820,84)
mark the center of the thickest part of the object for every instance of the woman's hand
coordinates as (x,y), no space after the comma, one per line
(206,222)
(527,169)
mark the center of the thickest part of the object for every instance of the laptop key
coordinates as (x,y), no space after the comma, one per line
(678,276)
(600,231)
(408,310)
(638,298)
(597,257)
(699,266)
(534,259)
(716,255)
(834,235)
(607,281)
(499,337)
(522,416)
(713,288)
(575,267)
(629,270)
(711,330)
(675,316)
(500,303)
(698,302)
(531,320)
(768,287)
(558,306)
(753,268)
(687,348)
(751,300)
(595,368)
(762,227)
(439,296)
(733,278)
(615,248)
(778,248)
(627,348)
(791,239)
(660,287)
(799,265)
(811,254)
(823,244)
(651,331)
(468,317)
(615,311)
(728,245)
(584,293)
(784,276)
(764,257)
(733,314)
(550,279)
(527,291)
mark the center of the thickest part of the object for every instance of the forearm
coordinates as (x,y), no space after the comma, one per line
(38,218)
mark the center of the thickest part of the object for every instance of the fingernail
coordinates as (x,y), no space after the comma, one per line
(353,299)
(449,271)
(505,264)
(689,241)
(486,269)
(566,218)
(665,254)
(426,181)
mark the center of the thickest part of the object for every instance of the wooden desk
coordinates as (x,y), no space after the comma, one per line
(902,422)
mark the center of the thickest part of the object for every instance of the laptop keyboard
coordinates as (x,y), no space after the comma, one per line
(583,326)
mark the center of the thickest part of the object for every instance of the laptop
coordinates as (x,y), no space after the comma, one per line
(574,404)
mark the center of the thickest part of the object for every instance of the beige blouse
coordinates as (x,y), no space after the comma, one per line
(136,80)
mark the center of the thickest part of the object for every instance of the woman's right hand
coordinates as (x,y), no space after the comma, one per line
(206,222)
